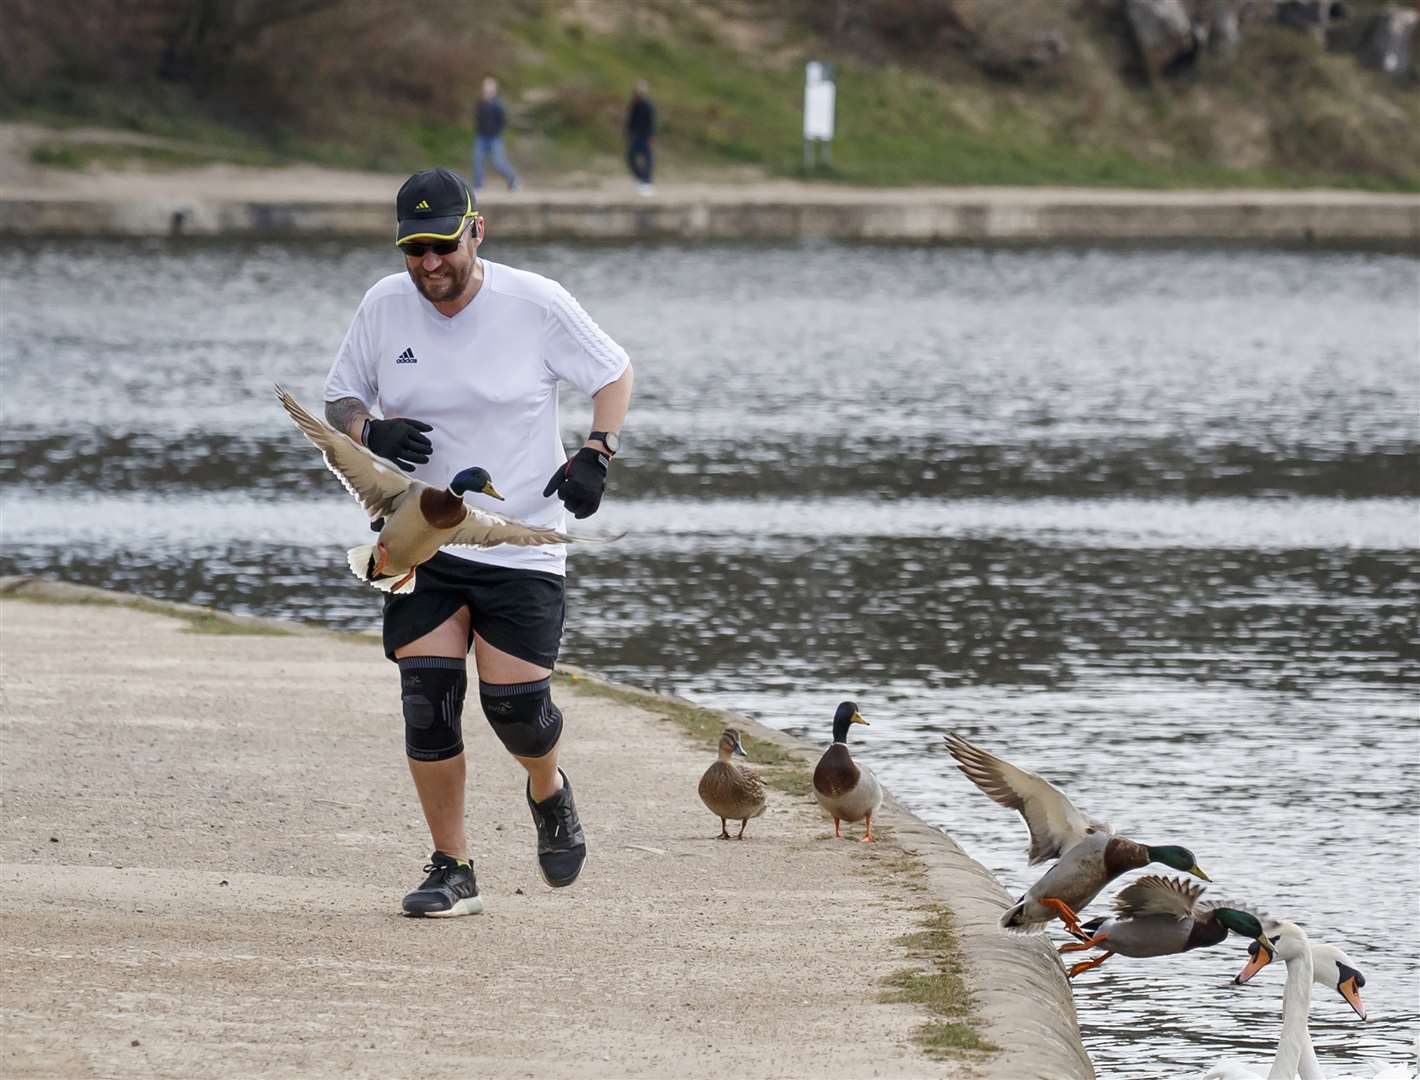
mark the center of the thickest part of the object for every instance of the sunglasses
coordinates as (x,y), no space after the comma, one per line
(417,249)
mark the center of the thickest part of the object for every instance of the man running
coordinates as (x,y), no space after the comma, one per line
(462,358)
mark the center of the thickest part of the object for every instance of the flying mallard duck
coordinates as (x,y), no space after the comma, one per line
(1088,853)
(846,790)
(418,519)
(1158,916)
(730,790)
(1330,967)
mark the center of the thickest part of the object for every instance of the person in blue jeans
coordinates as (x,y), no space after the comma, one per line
(489,121)
(640,126)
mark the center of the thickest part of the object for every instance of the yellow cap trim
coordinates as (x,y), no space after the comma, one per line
(469,214)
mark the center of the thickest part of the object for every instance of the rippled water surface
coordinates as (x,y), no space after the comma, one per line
(1147,522)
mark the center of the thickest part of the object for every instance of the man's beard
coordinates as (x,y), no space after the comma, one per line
(451,287)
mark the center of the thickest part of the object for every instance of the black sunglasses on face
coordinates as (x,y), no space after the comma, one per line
(417,249)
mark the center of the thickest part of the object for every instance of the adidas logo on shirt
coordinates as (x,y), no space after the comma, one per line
(406,357)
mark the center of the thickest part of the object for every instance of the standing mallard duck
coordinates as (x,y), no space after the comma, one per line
(730,790)
(415,519)
(1088,853)
(846,790)
(1158,916)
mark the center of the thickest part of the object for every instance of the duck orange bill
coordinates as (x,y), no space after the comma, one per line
(1352,996)
(1256,962)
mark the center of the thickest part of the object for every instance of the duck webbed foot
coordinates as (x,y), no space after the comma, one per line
(868,836)
(1081,946)
(1067,916)
(1087,964)
(724,831)
(741,834)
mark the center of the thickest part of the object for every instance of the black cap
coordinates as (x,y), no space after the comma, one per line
(435,204)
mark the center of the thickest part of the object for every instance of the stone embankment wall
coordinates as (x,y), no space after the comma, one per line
(963,215)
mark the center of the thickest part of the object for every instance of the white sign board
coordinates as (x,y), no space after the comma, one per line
(818,101)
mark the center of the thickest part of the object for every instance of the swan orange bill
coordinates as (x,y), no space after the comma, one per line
(1257,962)
(1352,996)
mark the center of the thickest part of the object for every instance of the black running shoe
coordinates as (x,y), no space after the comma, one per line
(561,845)
(450,889)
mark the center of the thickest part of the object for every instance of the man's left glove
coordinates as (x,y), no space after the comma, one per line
(580,483)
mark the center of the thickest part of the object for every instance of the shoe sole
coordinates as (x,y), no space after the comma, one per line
(469,905)
(562,884)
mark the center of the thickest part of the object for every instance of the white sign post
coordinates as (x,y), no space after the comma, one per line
(819,93)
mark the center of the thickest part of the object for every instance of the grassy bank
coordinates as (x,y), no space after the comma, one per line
(727,78)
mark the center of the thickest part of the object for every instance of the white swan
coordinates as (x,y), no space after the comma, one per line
(1330,967)
(1296,1059)
(1291,944)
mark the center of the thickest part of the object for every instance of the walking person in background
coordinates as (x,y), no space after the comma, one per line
(490,119)
(640,127)
(463,357)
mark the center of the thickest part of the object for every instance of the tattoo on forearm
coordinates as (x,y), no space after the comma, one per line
(341,413)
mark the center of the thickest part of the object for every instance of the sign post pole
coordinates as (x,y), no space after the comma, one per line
(819,94)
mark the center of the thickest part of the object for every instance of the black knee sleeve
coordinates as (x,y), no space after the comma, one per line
(522,715)
(433,689)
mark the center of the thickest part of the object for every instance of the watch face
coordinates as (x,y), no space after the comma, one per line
(612,440)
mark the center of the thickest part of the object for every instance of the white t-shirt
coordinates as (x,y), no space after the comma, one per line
(486,380)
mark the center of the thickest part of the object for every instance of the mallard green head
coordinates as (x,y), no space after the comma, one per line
(847,714)
(1248,925)
(474,479)
(730,743)
(1180,858)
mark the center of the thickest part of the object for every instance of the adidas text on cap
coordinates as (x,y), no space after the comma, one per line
(434,204)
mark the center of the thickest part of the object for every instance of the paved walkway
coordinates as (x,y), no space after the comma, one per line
(205,838)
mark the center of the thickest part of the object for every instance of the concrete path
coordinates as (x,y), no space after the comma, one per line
(206,836)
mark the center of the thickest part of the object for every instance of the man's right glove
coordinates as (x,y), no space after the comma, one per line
(401,440)
(580,483)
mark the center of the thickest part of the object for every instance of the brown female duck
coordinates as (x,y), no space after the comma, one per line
(730,790)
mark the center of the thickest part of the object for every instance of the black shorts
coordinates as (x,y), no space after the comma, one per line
(518,611)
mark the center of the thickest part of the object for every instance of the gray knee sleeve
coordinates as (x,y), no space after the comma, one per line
(433,689)
(522,715)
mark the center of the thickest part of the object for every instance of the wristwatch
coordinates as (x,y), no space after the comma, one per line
(610,439)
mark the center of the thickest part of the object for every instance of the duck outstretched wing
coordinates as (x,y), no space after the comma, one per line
(1156,895)
(483,528)
(1055,823)
(377,486)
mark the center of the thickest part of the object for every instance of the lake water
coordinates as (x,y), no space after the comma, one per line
(1146,522)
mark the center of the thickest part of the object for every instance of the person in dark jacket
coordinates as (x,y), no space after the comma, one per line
(489,121)
(640,127)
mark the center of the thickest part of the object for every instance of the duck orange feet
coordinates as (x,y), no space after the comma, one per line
(1067,916)
(1081,946)
(1087,964)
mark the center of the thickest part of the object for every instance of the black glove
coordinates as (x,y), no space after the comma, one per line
(580,483)
(401,440)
